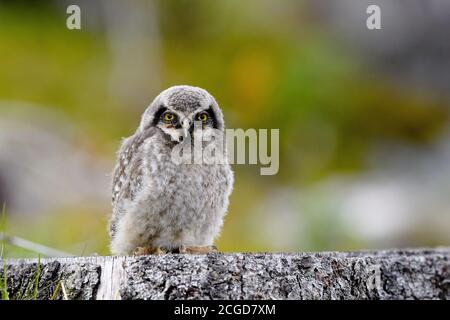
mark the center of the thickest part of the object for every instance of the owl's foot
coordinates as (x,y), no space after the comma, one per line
(142,251)
(197,250)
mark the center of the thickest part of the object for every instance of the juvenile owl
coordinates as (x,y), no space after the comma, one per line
(162,205)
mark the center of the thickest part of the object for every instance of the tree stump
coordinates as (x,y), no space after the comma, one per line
(389,274)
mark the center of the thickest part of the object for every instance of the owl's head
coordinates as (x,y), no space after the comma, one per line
(180,110)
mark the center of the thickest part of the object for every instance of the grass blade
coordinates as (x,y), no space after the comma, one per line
(57,289)
(36,279)
(63,288)
(4,287)
(2,228)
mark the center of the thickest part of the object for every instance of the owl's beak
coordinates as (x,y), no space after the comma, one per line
(185,124)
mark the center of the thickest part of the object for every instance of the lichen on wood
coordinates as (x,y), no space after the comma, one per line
(391,274)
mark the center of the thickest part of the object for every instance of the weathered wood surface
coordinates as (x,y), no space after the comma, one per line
(393,274)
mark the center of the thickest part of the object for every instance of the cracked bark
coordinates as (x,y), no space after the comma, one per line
(391,274)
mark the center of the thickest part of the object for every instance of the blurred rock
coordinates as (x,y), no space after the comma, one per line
(413,45)
(41,169)
(404,199)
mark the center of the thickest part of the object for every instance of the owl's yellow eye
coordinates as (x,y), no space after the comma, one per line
(168,117)
(202,117)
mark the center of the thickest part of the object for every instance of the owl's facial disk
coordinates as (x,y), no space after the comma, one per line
(179,126)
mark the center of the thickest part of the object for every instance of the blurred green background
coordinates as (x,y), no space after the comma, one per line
(363,116)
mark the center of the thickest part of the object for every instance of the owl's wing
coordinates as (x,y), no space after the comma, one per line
(127,176)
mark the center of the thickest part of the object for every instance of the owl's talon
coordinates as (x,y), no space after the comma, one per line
(198,250)
(142,251)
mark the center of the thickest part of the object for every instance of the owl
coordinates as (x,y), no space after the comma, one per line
(161,205)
